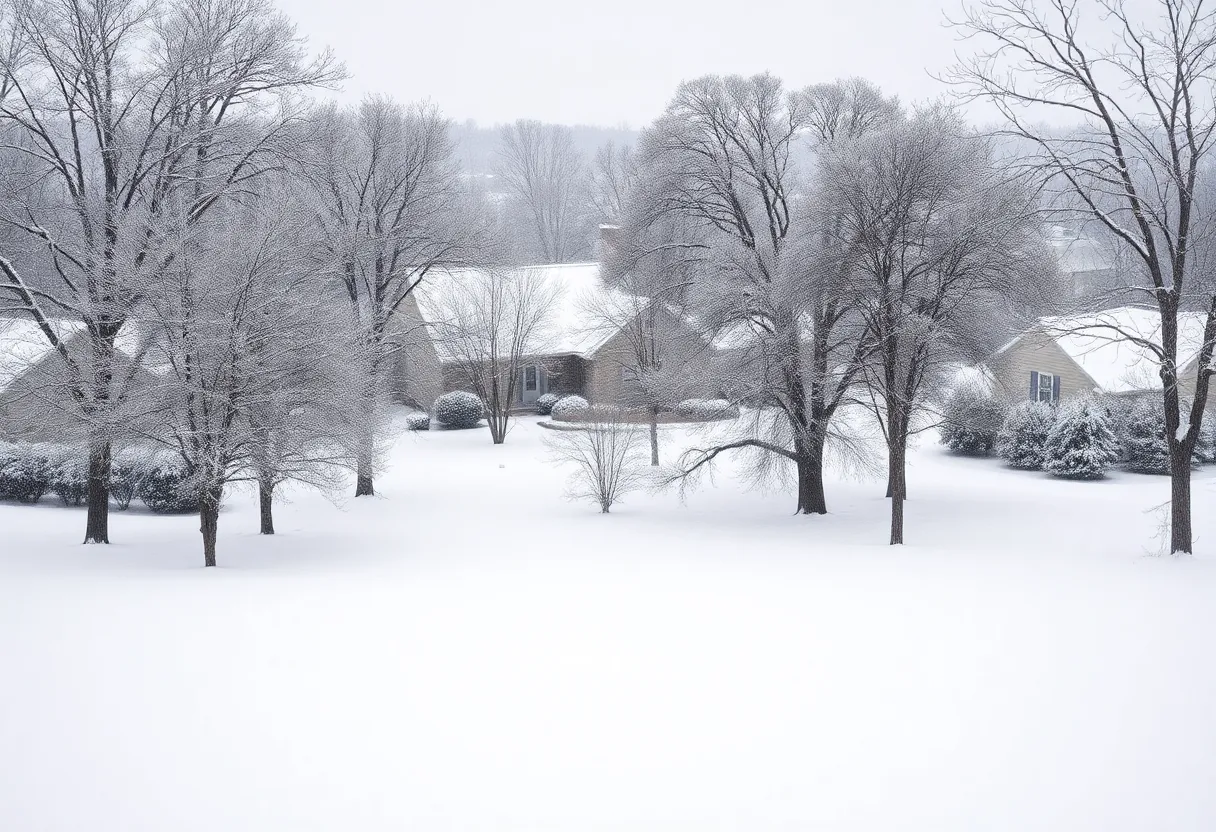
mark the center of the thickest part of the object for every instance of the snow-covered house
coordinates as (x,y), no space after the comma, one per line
(583,352)
(1104,352)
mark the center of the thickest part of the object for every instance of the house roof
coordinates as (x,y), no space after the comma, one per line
(575,327)
(23,344)
(1105,345)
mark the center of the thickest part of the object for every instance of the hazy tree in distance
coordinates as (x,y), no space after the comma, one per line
(1136,82)
(546,178)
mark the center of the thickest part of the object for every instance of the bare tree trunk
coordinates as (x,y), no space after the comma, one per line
(209,522)
(1180,500)
(266,503)
(811,497)
(364,486)
(97,524)
(898,487)
(654,436)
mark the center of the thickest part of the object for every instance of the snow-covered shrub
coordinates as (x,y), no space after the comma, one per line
(706,410)
(1022,441)
(971,419)
(1081,444)
(165,486)
(458,410)
(544,404)
(569,406)
(25,473)
(1140,428)
(70,476)
(418,421)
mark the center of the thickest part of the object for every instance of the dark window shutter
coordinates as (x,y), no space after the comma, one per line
(1055,389)
(1034,385)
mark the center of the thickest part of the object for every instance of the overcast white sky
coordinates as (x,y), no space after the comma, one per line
(615,62)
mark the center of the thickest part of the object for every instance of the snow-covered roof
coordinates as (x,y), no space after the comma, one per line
(1113,346)
(23,344)
(575,327)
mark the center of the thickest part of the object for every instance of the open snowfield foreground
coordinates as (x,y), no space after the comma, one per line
(470,651)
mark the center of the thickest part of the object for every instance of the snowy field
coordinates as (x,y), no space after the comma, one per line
(470,651)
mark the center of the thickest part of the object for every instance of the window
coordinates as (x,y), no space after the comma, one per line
(530,378)
(1046,388)
(628,375)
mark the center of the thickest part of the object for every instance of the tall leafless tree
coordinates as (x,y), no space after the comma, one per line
(546,178)
(254,383)
(938,247)
(130,116)
(390,207)
(726,157)
(1135,84)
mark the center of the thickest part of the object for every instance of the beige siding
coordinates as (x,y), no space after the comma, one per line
(604,382)
(415,378)
(1038,352)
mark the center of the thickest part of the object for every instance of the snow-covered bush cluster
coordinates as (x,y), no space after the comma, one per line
(706,410)
(459,410)
(544,404)
(25,473)
(165,486)
(1081,444)
(1022,441)
(971,421)
(70,476)
(569,407)
(418,421)
(29,471)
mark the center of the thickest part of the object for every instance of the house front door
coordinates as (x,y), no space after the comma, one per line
(530,384)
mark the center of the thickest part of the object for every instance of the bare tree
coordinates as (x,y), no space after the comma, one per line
(254,383)
(606,455)
(391,210)
(124,111)
(663,354)
(546,178)
(1137,82)
(613,177)
(939,247)
(491,322)
(724,157)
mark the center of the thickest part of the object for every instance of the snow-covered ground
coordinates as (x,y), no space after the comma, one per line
(470,651)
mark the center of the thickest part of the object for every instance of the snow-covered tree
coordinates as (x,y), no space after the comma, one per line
(940,249)
(254,383)
(726,180)
(1022,441)
(389,203)
(1081,444)
(118,114)
(1133,164)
